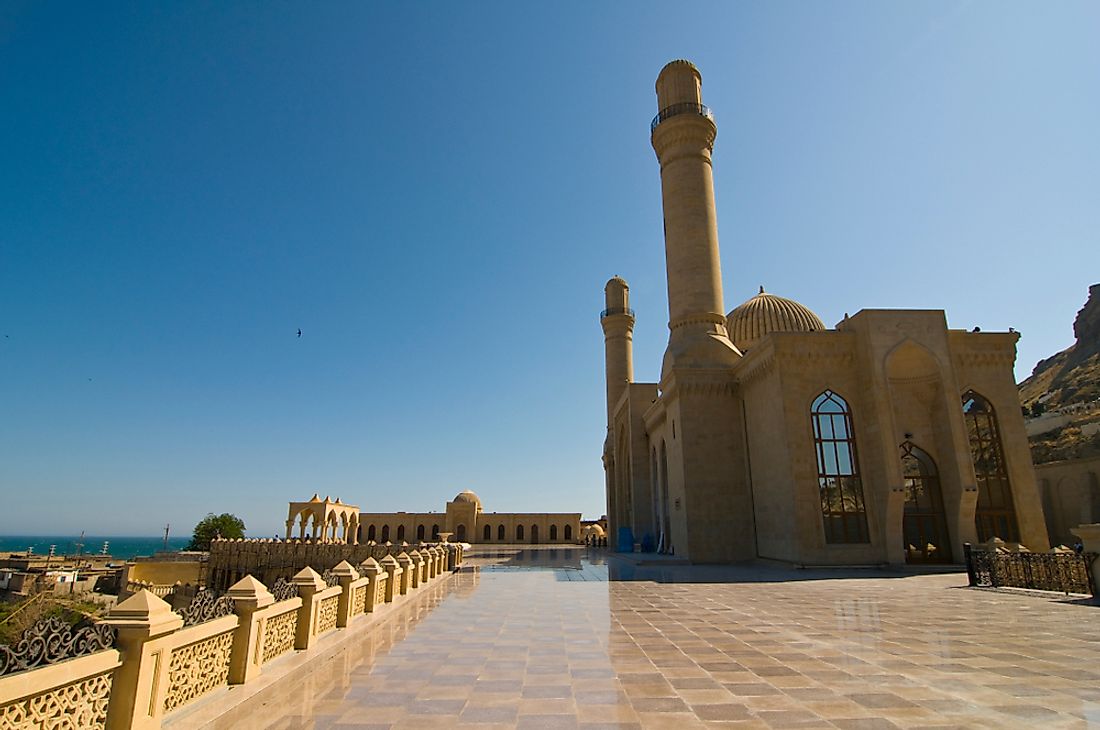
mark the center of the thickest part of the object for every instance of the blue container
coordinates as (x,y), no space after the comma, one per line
(626,540)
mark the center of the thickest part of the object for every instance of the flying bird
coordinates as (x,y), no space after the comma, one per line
(299,331)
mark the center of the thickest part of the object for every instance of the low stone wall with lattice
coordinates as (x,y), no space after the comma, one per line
(145,660)
(271,559)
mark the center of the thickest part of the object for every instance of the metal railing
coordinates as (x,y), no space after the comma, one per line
(616,310)
(686,107)
(1062,572)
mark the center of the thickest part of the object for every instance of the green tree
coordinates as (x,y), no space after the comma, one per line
(223,525)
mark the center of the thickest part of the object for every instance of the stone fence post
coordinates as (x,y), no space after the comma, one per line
(417,561)
(347,575)
(145,624)
(373,572)
(429,561)
(393,571)
(249,596)
(406,564)
(309,584)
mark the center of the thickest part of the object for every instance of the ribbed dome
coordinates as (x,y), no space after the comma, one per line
(766,313)
(468,496)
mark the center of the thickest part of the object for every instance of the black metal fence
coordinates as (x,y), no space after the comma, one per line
(1062,572)
(684,107)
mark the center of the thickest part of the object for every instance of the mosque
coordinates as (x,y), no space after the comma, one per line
(888,438)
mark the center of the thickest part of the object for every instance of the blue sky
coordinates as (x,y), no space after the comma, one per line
(435,193)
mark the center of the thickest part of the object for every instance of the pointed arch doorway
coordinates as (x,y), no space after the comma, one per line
(924,524)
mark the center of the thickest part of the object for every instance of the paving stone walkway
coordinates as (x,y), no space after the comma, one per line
(533,641)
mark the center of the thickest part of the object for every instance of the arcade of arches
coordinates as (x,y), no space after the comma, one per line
(465,520)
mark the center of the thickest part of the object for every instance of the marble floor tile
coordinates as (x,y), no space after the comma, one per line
(567,642)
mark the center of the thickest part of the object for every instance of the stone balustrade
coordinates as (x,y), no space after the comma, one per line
(159,665)
(266,559)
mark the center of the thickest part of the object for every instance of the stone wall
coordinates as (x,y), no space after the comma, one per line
(268,560)
(1071,496)
(162,661)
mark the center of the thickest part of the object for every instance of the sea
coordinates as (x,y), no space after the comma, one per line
(117,546)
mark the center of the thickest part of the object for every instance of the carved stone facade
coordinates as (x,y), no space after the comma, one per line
(78,706)
(326,618)
(886,439)
(198,668)
(279,634)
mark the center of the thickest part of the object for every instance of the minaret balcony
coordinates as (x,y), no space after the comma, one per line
(616,310)
(687,107)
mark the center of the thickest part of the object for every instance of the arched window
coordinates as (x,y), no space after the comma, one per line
(568,533)
(400,533)
(385,533)
(842,507)
(461,532)
(500,533)
(371,532)
(534,534)
(435,532)
(420,533)
(519,533)
(487,533)
(553,533)
(996,513)
(924,524)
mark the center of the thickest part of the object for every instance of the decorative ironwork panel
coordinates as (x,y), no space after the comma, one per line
(52,640)
(330,580)
(284,590)
(279,634)
(206,606)
(1061,572)
(78,706)
(359,601)
(326,616)
(198,668)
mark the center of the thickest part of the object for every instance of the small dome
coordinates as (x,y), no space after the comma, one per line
(767,313)
(469,497)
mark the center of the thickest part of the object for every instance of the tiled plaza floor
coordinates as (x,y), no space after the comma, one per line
(509,647)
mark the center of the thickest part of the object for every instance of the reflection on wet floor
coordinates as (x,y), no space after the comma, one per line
(514,645)
(567,564)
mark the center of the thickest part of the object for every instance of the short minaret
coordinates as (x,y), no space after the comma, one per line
(683,135)
(617,320)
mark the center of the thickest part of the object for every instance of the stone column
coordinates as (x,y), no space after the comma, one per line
(346,574)
(406,564)
(393,575)
(309,584)
(1090,539)
(144,623)
(249,596)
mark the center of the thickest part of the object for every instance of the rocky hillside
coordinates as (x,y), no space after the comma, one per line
(1064,392)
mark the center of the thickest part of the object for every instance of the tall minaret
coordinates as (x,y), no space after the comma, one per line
(683,137)
(617,320)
